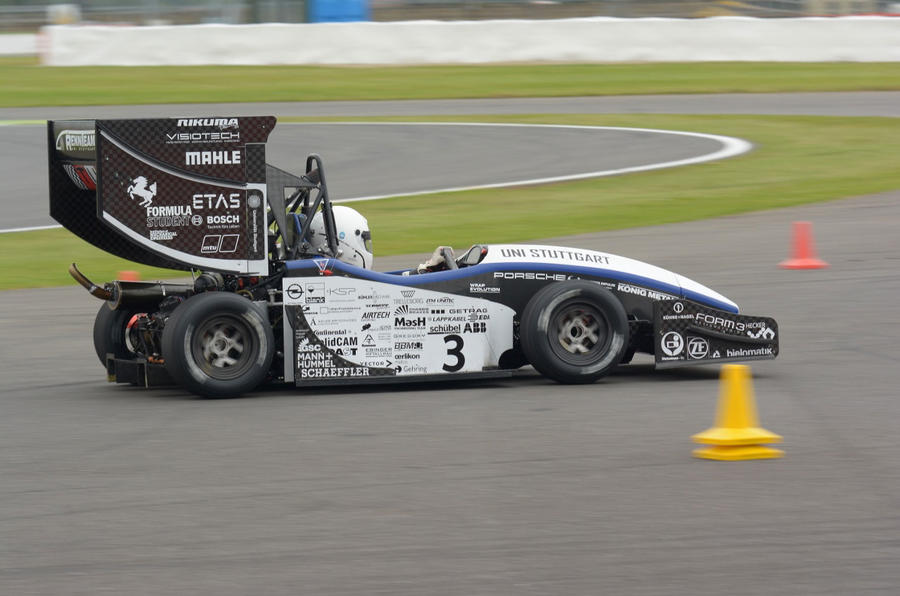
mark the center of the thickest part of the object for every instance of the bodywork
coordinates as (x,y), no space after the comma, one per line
(196,194)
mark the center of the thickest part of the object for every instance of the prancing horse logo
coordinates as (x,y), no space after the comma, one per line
(146,193)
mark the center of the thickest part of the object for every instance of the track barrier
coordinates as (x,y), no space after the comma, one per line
(596,39)
(736,434)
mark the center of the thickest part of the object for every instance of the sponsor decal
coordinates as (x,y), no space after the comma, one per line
(644,292)
(294,291)
(162,235)
(467,310)
(325,332)
(378,352)
(337,371)
(304,347)
(216,201)
(481,288)
(340,341)
(743,352)
(407,356)
(475,327)
(407,345)
(761,333)
(141,189)
(677,317)
(220,123)
(672,344)
(222,219)
(75,140)
(678,307)
(717,322)
(409,323)
(405,309)
(698,348)
(206,138)
(407,293)
(171,216)
(453,318)
(441,300)
(530,275)
(212,158)
(315,293)
(444,328)
(254,201)
(324,310)
(216,243)
(323,266)
(373,315)
(368,341)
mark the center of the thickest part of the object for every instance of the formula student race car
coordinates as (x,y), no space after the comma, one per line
(283,289)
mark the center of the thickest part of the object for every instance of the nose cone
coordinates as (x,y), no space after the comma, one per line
(700,293)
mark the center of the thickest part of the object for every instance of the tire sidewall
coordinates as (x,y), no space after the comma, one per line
(536,336)
(189,317)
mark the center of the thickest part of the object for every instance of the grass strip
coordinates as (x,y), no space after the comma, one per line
(65,86)
(797,160)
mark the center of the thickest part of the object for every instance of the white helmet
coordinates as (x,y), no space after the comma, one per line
(353,236)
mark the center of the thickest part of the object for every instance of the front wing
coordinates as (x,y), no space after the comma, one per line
(688,333)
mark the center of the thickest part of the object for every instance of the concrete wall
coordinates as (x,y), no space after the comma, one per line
(14,44)
(858,39)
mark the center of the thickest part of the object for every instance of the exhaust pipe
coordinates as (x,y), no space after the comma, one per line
(131,294)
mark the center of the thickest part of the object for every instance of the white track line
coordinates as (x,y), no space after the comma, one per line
(731,146)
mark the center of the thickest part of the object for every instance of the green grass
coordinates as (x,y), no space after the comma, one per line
(797,159)
(41,259)
(56,86)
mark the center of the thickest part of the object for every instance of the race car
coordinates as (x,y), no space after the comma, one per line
(283,289)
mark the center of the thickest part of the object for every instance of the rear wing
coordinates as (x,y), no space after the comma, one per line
(181,193)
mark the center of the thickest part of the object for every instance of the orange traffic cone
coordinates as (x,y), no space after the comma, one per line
(804,252)
(128,276)
(736,433)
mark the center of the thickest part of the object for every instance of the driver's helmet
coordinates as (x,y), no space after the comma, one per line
(353,236)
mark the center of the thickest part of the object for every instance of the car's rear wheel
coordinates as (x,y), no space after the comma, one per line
(574,331)
(115,332)
(218,345)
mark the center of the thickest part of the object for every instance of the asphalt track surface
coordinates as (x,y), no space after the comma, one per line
(518,486)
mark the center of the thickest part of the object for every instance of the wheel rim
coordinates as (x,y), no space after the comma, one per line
(132,334)
(579,333)
(224,347)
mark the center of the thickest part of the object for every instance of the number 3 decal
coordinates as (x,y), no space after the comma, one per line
(456,352)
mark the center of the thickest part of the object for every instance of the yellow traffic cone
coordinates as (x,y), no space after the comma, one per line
(736,434)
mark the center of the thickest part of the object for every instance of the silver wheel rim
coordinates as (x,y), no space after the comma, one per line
(579,333)
(224,347)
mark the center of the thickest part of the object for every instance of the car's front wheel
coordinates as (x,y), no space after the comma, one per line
(574,331)
(218,345)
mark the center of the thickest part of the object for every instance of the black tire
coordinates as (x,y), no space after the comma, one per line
(218,345)
(111,333)
(574,331)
